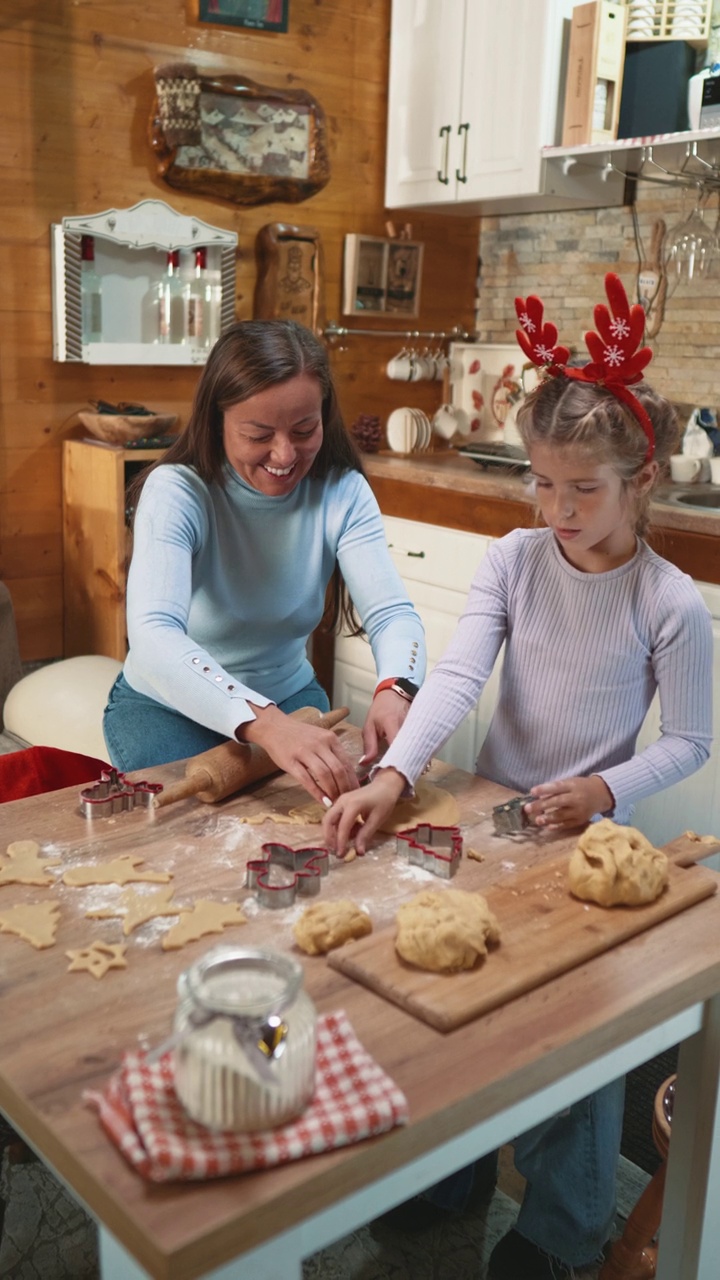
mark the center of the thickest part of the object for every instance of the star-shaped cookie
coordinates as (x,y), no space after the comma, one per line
(122,870)
(205,917)
(137,907)
(97,958)
(25,866)
(35,922)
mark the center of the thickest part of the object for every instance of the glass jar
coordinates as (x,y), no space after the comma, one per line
(245,1033)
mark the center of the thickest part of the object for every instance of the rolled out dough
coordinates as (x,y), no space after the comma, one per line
(429,804)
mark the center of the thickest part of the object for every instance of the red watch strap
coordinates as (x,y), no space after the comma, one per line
(385,684)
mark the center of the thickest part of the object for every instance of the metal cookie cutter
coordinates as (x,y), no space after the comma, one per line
(114,794)
(510,818)
(436,849)
(305,867)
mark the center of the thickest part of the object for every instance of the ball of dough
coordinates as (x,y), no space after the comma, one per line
(326,925)
(445,930)
(617,866)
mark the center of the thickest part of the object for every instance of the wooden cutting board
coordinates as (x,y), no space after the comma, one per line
(545,932)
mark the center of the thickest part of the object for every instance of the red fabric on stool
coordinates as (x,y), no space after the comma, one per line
(35,770)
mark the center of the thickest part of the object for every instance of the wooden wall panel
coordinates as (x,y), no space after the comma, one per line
(78,88)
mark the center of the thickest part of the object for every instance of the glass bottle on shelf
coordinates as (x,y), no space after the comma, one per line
(199,303)
(164,305)
(90,292)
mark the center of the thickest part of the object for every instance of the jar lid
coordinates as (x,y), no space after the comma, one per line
(242,981)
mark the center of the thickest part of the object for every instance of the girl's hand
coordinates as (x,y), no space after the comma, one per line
(383,722)
(356,816)
(314,757)
(570,802)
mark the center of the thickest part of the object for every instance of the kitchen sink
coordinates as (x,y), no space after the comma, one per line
(702,497)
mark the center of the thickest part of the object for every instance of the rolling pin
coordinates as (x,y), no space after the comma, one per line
(223,770)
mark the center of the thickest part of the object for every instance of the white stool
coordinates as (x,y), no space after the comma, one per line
(61,705)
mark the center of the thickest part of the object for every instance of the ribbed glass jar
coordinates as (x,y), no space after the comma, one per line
(246,1057)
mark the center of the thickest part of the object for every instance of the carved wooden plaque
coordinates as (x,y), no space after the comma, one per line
(290,275)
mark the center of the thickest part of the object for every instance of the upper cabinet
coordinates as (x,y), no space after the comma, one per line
(476,90)
(144,285)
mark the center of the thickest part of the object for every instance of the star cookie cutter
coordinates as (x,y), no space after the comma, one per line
(435,849)
(114,794)
(304,868)
(510,818)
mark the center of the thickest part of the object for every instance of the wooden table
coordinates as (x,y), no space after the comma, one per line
(468,1091)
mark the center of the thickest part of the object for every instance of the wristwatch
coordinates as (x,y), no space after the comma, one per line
(400,685)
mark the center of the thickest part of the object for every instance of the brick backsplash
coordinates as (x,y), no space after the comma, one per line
(564,256)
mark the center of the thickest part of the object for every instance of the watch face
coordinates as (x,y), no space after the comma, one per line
(407,686)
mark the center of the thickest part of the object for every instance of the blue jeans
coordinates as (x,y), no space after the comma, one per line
(570,1164)
(140,732)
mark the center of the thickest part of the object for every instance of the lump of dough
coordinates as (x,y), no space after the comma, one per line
(326,925)
(443,930)
(614,866)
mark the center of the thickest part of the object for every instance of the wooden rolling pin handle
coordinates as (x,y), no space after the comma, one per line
(223,770)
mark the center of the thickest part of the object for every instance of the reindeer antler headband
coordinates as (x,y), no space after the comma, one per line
(617,361)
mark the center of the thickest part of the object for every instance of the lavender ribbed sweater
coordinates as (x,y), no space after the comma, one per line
(584,655)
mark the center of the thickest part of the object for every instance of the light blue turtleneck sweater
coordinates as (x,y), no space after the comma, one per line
(226,585)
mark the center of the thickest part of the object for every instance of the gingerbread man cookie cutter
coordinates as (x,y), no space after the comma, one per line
(114,794)
(510,818)
(435,849)
(300,873)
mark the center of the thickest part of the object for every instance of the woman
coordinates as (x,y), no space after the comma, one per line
(239,529)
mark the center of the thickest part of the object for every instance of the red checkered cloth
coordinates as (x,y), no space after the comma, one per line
(141,1113)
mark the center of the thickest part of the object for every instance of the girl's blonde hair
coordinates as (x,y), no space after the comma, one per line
(562,411)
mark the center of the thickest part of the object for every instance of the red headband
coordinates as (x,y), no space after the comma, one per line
(615,361)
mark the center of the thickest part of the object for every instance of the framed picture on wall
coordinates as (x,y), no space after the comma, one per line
(289,281)
(260,15)
(381,276)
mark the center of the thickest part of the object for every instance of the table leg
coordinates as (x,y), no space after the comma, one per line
(275,1260)
(690,1230)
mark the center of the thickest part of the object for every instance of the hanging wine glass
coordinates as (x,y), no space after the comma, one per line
(692,245)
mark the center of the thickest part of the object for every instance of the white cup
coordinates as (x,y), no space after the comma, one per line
(685,470)
(715,470)
(449,420)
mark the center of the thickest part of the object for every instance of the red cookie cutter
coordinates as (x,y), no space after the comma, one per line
(303,867)
(114,794)
(435,849)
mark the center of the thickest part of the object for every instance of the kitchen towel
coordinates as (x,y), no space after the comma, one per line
(141,1113)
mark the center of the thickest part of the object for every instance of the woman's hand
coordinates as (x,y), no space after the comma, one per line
(356,816)
(383,722)
(570,802)
(313,756)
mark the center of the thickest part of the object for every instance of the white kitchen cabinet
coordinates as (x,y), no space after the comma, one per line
(437,566)
(694,803)
(476,90)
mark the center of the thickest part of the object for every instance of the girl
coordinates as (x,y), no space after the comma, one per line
(593,622)
(240,528)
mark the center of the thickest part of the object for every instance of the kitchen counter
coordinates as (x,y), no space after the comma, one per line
(446,489)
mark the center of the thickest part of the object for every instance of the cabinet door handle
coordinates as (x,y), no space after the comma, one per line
(463,130)
(401,551)
(443,173)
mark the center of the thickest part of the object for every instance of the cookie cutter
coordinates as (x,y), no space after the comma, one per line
(305,869)
(435,849)
(114,794)
(511,818)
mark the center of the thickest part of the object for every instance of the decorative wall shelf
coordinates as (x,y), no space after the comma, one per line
(131,247)
(684,159)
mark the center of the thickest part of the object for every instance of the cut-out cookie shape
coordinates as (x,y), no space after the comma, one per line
(435,849)
(282,873)
(205,917)
(114,794)
(35,922)
(25,866)
(138,907)
(122,870)
(97,958)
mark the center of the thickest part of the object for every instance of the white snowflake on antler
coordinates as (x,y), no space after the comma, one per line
(545,355)
(620,328)
(527,323)
(614,356)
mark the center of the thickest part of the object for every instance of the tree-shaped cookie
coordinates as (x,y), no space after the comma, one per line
(97,958)
(122,870)
(137,907)
(35,922)
(22,864)
(205,917)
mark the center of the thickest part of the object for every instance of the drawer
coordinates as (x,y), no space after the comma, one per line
(434,555)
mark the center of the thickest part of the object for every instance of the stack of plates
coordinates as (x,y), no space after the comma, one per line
(408,431)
